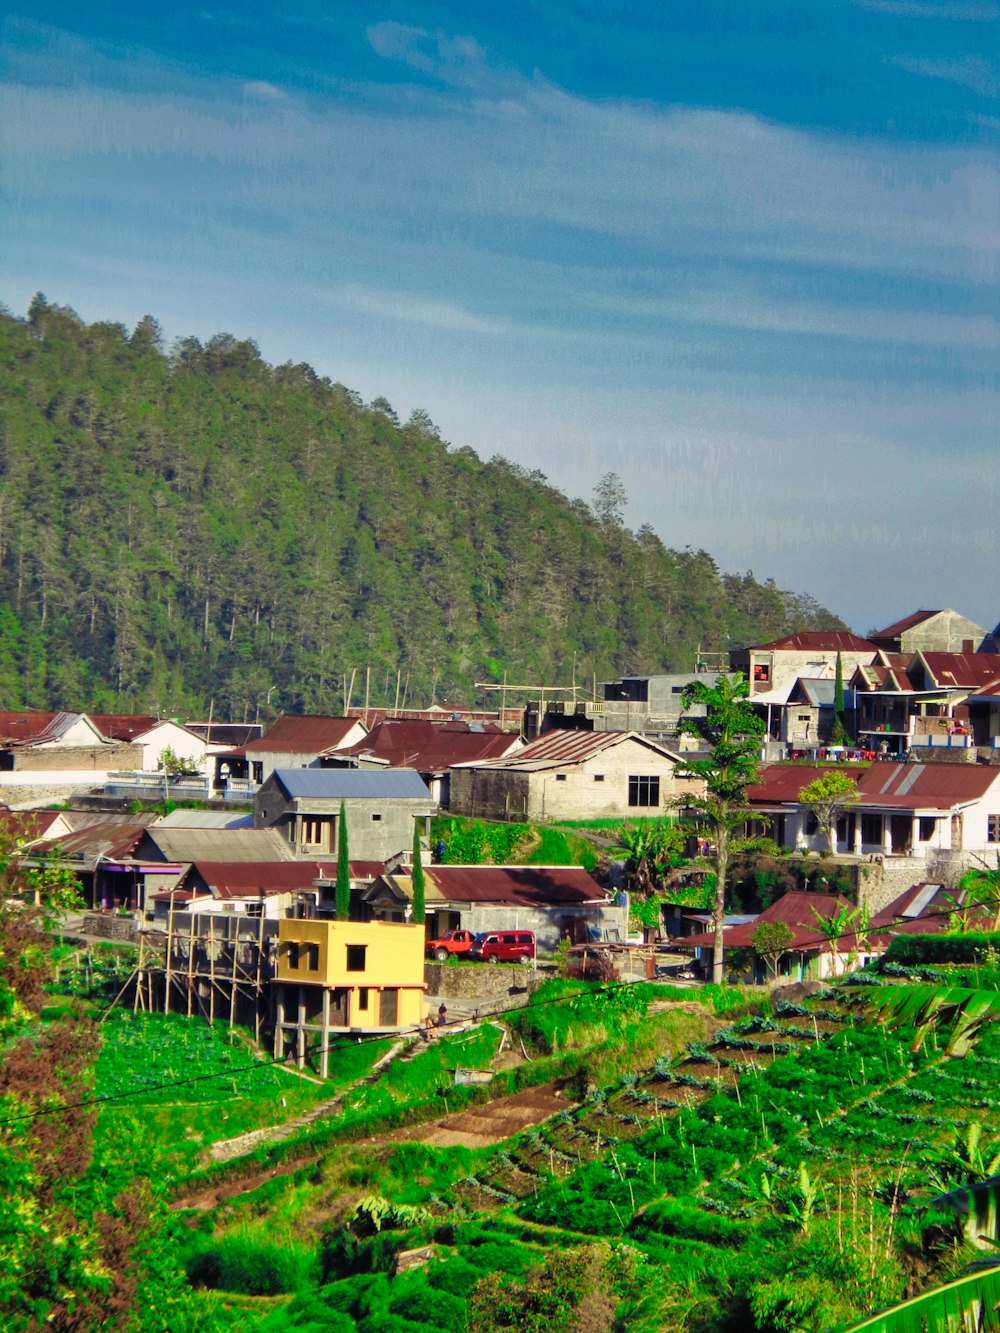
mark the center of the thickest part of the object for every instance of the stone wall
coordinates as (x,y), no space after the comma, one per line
(112,927)
(483,982)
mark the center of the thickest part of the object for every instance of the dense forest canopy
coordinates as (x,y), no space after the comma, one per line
(192,528)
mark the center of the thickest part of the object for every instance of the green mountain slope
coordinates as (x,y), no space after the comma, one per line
(196,526)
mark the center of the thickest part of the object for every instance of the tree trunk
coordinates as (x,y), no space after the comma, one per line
(719,910)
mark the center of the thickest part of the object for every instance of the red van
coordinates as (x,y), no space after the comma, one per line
(503,946)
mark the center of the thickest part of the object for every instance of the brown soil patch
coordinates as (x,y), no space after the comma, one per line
(477,1127)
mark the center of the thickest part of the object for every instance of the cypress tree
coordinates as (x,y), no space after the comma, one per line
(419,911)
(342,900)
(838,691)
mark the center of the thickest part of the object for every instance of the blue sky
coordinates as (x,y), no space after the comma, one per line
(743,254)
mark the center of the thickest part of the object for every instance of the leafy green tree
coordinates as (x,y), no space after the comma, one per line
(342,893)
(771,940)
(829,796)
(731,731)
(981,887)
(419,902)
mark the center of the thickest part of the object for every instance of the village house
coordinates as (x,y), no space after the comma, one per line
(303,806)
(925,700)
(429,748)
(932,631)
(299,741)
(157,736)
(344,976)
(774,667)
(650,705)
(939,817)
(555,902)
(51,756)
(572,775)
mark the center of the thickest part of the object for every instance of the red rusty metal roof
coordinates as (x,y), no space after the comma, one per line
(796,910)
(251,879)
(958,670)
(901,626)
(819,640)
(569,746)
(430,747)
(307,734)
(529,886)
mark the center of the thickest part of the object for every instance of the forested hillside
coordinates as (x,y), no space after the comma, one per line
(194,525)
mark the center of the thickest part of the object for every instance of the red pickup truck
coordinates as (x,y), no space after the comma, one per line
(451,942)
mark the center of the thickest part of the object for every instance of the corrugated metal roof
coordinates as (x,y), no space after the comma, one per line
(205,819)
(431,747)
(901,626)
(529,886)
(957,670)
(924,786)
(560,747)
(111,842)
(818,640)
(184,844)
(125,726)
(251,879)
(796,910)
(344,783)
(307,734)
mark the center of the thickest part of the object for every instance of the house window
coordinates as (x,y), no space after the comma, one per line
(363,997)
(871,828)
(356,957)
(255,909)
(312,832)
(993,828)
(598,777)
(812,824)
(761,671)
(293,954)
(258,773)
(927,827)
(643,791)
(312,957)
(560,777)
(376,819)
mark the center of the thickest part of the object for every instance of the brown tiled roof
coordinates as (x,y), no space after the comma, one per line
(307,734)
(780,783)
(430,747)
(819,640)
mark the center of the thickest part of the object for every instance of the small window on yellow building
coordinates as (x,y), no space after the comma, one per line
(356,957)
(293,953)
(312,957)
(362,997)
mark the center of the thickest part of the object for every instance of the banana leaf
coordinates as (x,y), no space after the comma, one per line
(979,1206)
(931,1004)
(970,1304)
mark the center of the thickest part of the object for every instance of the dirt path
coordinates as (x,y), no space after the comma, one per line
(476,1127)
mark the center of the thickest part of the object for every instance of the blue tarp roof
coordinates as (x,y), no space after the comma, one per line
(344,783)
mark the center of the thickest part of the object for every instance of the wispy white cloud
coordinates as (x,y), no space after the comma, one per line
(433,314)
(975,72)
(267,92)
(975,11)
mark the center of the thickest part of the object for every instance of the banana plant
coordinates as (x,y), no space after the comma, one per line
(929,1005)
(969,1304)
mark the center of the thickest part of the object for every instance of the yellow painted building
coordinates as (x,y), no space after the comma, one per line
(344,976)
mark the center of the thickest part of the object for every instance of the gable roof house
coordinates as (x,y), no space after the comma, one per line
(155,735)
(553,901)
(924,820)
(429,748)
(924,700)
(934,631)
(810,653)
(811,954)
(572,775)
(50,756)
(302,805)
(299,741)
